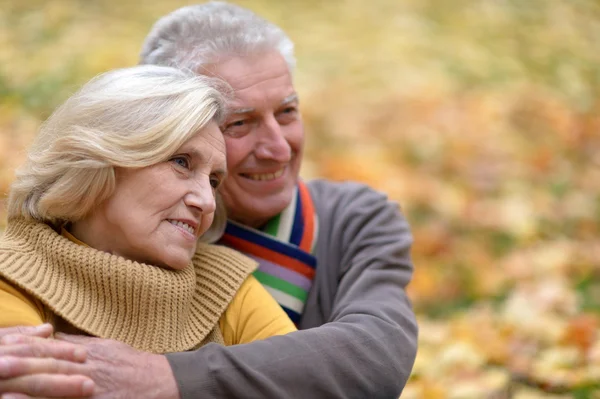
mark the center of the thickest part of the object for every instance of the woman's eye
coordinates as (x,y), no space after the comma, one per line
(215,182)
(181,161)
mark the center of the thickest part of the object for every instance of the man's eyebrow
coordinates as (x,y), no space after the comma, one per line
(237,111)
(290,99)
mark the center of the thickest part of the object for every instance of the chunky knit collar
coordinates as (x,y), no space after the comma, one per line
(147,307)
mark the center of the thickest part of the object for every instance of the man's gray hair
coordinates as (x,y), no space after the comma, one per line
(194,36)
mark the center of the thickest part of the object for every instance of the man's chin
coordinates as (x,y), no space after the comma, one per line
(254,207)
(264,188)
(260,212)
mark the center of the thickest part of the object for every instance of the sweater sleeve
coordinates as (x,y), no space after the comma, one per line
(17,309)
(252,315)
(368,345)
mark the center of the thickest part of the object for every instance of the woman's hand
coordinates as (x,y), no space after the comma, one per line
(42,331)
(51,369)
(32,366)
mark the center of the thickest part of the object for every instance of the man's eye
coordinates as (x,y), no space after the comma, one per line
(235,124)
(287,115)
(238,128)
(181,161)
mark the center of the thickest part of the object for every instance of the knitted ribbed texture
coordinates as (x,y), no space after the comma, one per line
(147,307)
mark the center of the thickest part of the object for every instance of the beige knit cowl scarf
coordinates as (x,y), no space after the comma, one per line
(104,295)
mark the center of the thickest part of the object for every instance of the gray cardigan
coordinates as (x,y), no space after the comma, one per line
(366,340)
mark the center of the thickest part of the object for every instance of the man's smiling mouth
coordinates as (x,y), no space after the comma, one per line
(264,176)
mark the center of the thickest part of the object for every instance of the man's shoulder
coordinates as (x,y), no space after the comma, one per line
(345,187)
(335,193)
(348,202)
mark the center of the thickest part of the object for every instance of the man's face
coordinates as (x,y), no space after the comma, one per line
(264,137)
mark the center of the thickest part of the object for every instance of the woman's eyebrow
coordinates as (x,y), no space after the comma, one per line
(201,158)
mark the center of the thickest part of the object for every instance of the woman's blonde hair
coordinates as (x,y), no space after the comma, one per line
(130,118)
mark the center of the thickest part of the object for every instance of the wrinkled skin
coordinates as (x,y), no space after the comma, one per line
(264,139)
(78,367)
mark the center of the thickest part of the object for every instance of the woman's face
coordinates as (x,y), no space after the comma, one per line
(157,213)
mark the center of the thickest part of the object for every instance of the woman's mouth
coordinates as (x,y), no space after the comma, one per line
(183,225)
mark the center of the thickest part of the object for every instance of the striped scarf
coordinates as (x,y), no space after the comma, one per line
(284,248)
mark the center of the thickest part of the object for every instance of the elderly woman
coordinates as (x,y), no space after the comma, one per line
(106,216)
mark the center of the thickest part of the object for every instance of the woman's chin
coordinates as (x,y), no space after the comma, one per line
(169,260)
(176,266)
(173,264)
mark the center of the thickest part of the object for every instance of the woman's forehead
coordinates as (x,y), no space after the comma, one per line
(207,146)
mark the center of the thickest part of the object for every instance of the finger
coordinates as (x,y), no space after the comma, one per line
(18,396)
(20,339)
(42,348)
(22,396)
(43,330)
(75,339)
(50,385)
(11,366)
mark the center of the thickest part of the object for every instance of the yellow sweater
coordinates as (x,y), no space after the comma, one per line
(251,315)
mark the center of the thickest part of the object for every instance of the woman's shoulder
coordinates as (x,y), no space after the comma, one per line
(253,315)
(18,308)
(221,253)
(226,262)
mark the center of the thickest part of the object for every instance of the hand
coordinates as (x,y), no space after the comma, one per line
(121,372)
(33,365)
(117,370)
(42,331)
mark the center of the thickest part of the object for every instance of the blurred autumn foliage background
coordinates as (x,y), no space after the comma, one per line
(480,117)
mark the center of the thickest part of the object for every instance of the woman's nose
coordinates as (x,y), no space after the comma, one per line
(201,196)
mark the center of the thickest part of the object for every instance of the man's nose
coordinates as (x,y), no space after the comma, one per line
(272,144)
(200,196)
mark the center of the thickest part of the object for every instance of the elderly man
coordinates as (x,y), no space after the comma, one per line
(334,255)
